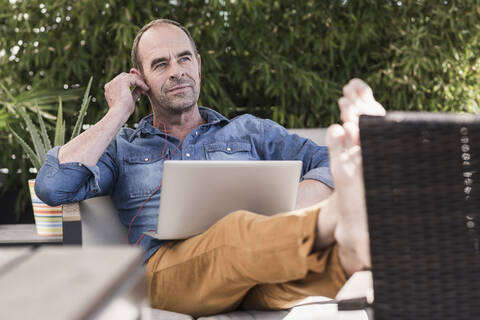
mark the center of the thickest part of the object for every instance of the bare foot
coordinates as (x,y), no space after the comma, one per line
(347,202)
(358,99)
(348,199)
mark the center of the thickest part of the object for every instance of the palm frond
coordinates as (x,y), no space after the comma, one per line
(48,97)
(43,130)
(83,110)
(60,127)
(33,131)
(43,98)
(30,153)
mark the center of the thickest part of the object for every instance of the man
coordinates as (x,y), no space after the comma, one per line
(245,260)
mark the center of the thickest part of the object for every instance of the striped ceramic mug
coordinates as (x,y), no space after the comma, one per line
(47,219)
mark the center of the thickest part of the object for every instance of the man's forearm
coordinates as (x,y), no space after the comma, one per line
(89,146)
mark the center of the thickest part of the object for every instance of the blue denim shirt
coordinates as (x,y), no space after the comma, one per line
(131,168)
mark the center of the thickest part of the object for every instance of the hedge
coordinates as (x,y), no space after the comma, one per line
(285,60)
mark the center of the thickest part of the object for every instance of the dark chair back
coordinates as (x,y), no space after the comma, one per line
(422,184)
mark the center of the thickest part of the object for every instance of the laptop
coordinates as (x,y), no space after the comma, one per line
(422,190)
(196,194)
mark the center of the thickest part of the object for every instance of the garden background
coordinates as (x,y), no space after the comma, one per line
(281,59)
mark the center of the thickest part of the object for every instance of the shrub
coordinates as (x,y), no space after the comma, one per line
(282,59)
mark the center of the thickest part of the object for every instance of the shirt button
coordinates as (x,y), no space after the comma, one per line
(146,159)
(188,155)
(229,149)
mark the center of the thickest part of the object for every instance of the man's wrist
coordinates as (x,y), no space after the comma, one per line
(118,114)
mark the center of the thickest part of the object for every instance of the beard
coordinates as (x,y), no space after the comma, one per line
(180,102)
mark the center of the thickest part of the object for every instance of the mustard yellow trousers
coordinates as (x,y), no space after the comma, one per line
(246,261)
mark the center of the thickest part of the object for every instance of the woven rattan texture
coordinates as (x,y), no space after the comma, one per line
(423,193)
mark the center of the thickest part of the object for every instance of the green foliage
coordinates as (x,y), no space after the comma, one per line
(15,168)
(83,111)
(37,154)
(60,126)
(281,59)
(43,99)
(38,135)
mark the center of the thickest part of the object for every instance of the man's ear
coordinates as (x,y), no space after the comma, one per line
(136,72)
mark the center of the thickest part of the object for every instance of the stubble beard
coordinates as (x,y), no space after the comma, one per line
(177,107)
(181,102)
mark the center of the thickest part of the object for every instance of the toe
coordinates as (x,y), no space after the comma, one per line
(352,134)
(335,139)
(348,110)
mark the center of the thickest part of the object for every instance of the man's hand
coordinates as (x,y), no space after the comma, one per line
(89,146)
(119,95)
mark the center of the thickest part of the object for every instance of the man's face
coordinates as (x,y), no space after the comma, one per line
(170,68)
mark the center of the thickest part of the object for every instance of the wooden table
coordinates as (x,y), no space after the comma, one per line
(71,283)
(24,234)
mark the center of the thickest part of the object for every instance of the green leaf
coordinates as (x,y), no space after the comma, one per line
(4,119)
(43,130)
(83,110)
(34,135)
(60,127)
(12,98)
(30,153)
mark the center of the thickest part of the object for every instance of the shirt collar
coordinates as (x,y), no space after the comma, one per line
(212,117)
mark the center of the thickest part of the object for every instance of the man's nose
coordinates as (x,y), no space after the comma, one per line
(176,71)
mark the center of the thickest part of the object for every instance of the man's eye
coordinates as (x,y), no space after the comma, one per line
(184,59)
(160,65)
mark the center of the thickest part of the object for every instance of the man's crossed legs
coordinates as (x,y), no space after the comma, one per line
(253,261)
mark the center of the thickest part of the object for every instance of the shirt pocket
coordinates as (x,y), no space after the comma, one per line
(142,173)
(229,151)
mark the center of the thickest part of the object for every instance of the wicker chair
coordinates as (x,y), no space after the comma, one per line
(423,203)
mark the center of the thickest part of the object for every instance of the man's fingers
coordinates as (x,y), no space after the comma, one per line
(140,83)
(124,90)
(129,79)
(137,82)
(137,93)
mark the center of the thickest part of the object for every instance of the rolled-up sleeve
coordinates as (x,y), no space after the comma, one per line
(73,181)
(280,144)
(321,174)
